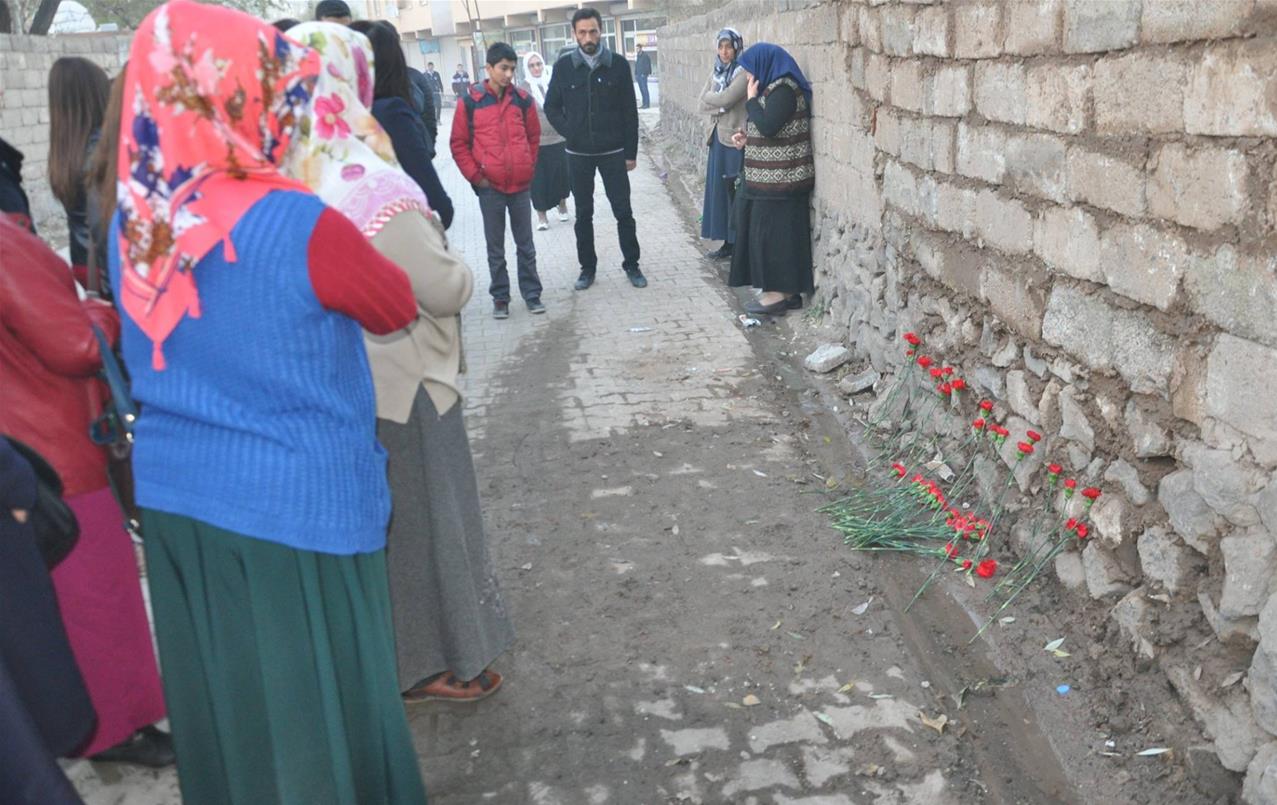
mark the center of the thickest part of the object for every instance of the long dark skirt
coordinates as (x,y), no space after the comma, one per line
(724,162)
(448,611)
(773,244)
(550,183)
(278,670)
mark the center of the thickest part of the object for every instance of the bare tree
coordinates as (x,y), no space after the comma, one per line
(6,18)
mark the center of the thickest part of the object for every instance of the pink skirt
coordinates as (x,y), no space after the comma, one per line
(100,595)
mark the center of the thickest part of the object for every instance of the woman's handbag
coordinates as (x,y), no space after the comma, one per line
(56,529)
(113,429)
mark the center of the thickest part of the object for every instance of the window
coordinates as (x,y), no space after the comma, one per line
(609,34)
(553,39)
(523,41)
(642,31)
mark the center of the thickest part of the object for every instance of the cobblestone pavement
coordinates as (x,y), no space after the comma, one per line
(688,630)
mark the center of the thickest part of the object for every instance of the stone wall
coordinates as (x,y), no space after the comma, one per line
(1074,201)
(24,107)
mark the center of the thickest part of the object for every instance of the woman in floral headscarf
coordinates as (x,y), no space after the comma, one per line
(450,620)
(257,468)
(723,99)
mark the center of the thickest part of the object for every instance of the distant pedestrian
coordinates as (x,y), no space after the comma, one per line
(78,91)
(723,99)
(495,136)
(436,84)
(262,485)
(392,106)
(773,242)
(460,83)
(333,11)
(642,72)
(591,103)
(550,184)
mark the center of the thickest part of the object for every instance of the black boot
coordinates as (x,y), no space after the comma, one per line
(721,253)
(148,747)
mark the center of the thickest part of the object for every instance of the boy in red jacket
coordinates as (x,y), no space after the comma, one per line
(495,135)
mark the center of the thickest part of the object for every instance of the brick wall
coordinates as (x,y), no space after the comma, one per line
(1074,200)
(24,108)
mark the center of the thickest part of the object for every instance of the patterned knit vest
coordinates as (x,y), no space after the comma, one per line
(781,165)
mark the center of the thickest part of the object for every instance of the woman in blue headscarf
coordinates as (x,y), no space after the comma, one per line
(773,216)
(723,99)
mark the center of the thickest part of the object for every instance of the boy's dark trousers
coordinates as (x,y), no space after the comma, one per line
(494,204)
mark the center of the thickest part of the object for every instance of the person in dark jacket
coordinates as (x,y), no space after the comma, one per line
(643,71)
(591,103)
(392,106)
(333,11)
(45,710)
(460,82)
(495,136)
(422,93)
(78,91)
(13,199)
(436,84)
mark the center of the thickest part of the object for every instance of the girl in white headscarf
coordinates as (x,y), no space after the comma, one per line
(449,618)
(550,185)
(723,100)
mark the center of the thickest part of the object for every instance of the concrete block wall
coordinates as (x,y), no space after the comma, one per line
(24,108)
(1075,201)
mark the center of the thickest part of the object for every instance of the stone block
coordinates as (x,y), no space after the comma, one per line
(931,31)
(900,188)
(1203,188)
(1228,486)
(1225,718)
(981,152)
(1260,785)
(857,64)
(827,357)
(1033,28)
(1104,575)
(1230,90)
(1262,685)
(861,381)
(1113,518)
(976,29)
(1091,26)
(1003,223)
(1035,163)
(942,145)
(1191,518)
(1241,384)
(1033,363)
(1163,559)
(897,29)
(906,84)
(1140,93)
(877,76)
(1106,181)
(1250,562)
(869,28)
(1001,91)
(1015,298)
(1128,478)
(1236,291)
(955,209)
(1133,615)
(1188,20)
(948,91)
(1074,424)
(887,132)
(1143,263)
(1188,384)
(1056,96)
(1067,239)
(1239,632)
(1069,570)
(1020,398)
(1105,337)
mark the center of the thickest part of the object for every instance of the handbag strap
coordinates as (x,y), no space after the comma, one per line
(113,374)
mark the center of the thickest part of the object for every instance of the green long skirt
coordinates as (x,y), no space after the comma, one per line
(279,671)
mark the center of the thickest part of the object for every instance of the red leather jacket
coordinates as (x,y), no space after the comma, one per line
(48,359)
(496,138)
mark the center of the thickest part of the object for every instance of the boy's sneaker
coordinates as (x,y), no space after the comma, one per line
(536,306)
(500,310)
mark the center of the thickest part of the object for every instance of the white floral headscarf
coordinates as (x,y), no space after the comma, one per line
(340,151)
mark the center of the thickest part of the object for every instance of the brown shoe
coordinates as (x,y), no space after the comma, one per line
(446,687)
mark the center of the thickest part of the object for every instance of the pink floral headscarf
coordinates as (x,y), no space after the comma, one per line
(211,98)
(341,152)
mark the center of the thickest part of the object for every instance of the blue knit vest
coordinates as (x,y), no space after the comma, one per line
(264,421)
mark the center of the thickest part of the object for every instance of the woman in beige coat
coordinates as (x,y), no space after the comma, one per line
(449,618)
(723,99)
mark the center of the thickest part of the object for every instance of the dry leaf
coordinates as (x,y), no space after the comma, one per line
(1232,679)
(776,626)
(1054,645)
(1197,673)
(1059,653)
(750,700)
(760,473)
(1008,619)
(693,689)
(795,635)
(880,695)
(847,687)
(658,454)
(832,483)
(1156,750)
(861,609)
(936,723)
(824,719)
(970,581)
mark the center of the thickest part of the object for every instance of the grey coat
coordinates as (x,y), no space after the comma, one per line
(726,109)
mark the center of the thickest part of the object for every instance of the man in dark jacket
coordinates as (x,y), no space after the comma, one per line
(642,70)
(591,103)
(495,136)
(436,84)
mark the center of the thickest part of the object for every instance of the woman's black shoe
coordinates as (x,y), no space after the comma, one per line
(795,302)
(148,747)
(755,308)
(721,253)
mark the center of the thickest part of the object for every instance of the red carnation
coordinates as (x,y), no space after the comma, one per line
(1054,469)
(912,339)
(924,361)
(1090,493)
(945,389)
(1070,524)
(959,384)
(1070,484)
(987,568)
(986,406)
(948,371)
(1082,531)
(978,424)
(900,470)
(936,374)
(1034,436)
(908,353)
(1024,447)
(950,550)
(1001,431)
(917,478)
(966,564)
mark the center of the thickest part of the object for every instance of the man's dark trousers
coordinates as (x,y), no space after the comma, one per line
(641,80)
(616,183)
(494,205)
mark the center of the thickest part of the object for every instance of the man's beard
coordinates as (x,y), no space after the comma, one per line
(590,48)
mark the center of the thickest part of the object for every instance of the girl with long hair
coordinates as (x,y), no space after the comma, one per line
(78,92)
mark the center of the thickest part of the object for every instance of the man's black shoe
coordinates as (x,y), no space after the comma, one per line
(722,252)
(535,306)
(500,310)
(585,280)
(636,277)
(148,747)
